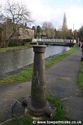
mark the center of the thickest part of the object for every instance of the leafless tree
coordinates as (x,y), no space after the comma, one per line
(18,14)
(48,29)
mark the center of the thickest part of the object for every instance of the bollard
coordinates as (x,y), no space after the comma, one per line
(38,98)
(39,106)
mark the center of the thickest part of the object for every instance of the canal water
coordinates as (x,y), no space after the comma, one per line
(54,50)
(49,52)
(12,61)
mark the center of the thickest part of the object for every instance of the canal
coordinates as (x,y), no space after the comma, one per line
(11,61)
(53,50)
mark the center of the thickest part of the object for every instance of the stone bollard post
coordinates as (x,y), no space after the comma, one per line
(38,96)
(38,104)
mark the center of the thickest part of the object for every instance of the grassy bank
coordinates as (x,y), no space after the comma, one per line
(59,57)
(80,76)
(26,74)
(14,48)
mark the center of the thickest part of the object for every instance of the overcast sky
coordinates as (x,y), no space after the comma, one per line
(53,11)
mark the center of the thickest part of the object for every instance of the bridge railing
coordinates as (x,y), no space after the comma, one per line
(52,40)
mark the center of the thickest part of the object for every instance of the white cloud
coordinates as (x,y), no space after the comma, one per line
(74,16)
(42,11)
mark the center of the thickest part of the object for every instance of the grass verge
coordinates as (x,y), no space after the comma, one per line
(14,48)
(59,112)
(26,74)
(80,76)
(59,57)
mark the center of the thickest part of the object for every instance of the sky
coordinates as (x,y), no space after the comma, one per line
(53,11)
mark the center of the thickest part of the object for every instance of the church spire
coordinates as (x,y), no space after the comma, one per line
(64,26)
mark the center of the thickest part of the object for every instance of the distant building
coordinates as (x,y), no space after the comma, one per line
(25,33)
(64,26)
(21,32)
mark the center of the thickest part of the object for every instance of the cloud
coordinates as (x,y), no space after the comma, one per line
(52,10)
(74,16)
(42,12)
(45,12)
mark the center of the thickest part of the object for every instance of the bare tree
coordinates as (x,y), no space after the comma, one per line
(48,29)
(18,14)
(38,31)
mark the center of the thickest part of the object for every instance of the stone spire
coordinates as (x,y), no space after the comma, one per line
(64,26)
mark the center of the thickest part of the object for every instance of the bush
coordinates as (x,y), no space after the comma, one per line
(16,42)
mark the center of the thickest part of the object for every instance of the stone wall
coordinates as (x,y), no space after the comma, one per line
(13,60)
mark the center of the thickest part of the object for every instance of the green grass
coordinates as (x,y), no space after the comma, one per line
(25,120)
(59,57)
(22,76)
(26,74)
(80,76)
(14,48)
(59,113)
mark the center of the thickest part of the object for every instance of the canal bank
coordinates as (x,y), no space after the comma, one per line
(25,74)
(14,60)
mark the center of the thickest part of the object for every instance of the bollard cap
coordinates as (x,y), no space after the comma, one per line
(39,48)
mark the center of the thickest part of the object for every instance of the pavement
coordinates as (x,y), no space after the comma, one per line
(60,82)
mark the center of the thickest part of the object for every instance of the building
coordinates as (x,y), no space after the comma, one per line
(14,32)
(64,26)
(65,31)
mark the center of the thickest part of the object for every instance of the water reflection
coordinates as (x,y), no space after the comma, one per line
(13,60)
(53,50)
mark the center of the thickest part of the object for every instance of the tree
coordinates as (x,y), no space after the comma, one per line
(80,34)
(34,28)
(18,15)
(48,29)
(38,32)
(55,33)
